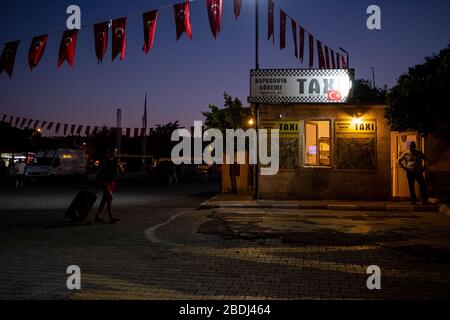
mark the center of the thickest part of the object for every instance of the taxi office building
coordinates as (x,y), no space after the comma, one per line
(329,148)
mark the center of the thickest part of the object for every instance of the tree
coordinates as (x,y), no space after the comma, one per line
(160,139)
(419,101)
(232,116)
(365,93)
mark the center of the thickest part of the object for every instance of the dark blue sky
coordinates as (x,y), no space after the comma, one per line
(183,77)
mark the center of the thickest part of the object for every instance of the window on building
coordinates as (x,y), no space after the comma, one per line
(317,143)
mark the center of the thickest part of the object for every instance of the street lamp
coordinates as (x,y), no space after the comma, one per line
(343,50)
(256,195)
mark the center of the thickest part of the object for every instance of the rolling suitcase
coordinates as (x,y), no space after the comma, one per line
(81,206)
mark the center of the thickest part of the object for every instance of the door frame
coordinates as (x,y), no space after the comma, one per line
(394,166)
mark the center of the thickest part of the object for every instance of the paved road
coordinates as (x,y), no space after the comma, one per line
(36,246)
(216,254)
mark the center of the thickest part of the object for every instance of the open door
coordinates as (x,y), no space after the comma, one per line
(399,144)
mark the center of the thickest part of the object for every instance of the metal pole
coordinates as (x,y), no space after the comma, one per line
(119,132)
(256,195)
(373,78)
(144,136)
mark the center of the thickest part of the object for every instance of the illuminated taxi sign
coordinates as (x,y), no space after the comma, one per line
(283,86)
(356,126)
(288,128)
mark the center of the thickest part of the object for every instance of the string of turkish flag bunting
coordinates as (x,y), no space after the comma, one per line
(64,129)
(326,57)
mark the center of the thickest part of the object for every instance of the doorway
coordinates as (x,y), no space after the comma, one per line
(399,144)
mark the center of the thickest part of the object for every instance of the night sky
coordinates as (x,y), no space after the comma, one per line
(183,77)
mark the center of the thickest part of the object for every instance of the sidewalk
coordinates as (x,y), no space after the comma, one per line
(247,201)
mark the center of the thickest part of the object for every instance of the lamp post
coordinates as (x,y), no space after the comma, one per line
(256,195)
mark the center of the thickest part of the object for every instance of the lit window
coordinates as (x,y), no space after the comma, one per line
(317,143)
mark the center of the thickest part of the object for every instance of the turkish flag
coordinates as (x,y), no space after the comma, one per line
(344,63)
(237,5)
(311,50)
(101,40)
(67,47)
(8,57)
(327,58)
(282,29)
(119,34)
(37,49)
(214,8)
(150,19)
(320,55)
(294,34)
(183,19)
(271,20)
(302,43)
(333,60)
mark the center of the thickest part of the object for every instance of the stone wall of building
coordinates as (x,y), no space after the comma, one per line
(331,182)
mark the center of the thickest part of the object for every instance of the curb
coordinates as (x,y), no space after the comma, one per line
(332,207)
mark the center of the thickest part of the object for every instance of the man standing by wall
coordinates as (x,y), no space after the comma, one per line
(413,162)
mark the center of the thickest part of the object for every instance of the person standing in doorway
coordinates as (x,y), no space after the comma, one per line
(20,174)
(413,161)
(106,179)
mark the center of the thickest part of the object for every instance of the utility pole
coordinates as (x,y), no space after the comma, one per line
(256,195)
(373,78)
(119,133)
(144,136)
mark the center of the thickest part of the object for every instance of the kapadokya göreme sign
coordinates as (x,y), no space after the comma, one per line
(283,86)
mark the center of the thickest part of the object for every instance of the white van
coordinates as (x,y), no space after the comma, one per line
(58,162)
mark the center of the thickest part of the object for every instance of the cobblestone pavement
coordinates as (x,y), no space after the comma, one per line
(237,254)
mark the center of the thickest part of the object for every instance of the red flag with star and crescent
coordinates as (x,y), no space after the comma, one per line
(294,35)
(327,57)
(311,50)
(282,29)
(183,19)
(271,20)
(320,55)
(8,57)
(119,38)
(67,47)
(237,5)
(101,40)
(302,43)
(37,49)
(214,8)
(150,20)
(333,60)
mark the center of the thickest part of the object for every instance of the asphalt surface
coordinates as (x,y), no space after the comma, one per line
(164,248)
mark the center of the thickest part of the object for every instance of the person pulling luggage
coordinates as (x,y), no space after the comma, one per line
(106,179)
